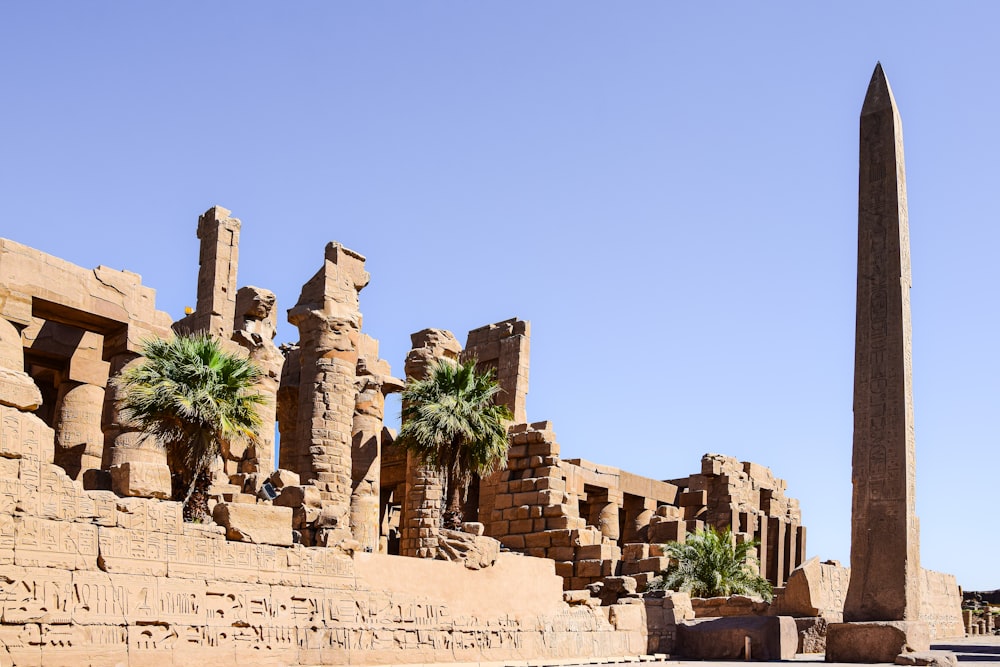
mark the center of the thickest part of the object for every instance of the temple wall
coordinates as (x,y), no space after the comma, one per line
(941,604)
(88,576)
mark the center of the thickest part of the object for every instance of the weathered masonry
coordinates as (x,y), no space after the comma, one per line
(333,552)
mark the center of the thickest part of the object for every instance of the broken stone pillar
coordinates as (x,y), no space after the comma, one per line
(421,510)
(504,347)
(374,381)
(255,327)
(605,504)
(79,438)
(138,463)
(883,599)
(218,258)
(289,452)
(17,389)
(329,321)
(776,554)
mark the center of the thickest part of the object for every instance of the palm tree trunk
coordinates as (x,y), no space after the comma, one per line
(453,511)
(196,502)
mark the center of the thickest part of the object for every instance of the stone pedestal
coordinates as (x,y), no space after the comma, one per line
(875,641)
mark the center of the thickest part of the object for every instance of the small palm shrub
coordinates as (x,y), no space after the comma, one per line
(708,564)
(192,396)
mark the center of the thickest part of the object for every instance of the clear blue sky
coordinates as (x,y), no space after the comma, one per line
(667,191)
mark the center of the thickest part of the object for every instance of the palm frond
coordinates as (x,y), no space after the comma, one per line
(451,421)
(192,396)
(709,563)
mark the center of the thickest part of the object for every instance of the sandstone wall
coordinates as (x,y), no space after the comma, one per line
(818,589)
(87,577)
(941,604)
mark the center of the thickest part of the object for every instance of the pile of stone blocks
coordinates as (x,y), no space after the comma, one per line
(597,521)
(532,512)
(750,501)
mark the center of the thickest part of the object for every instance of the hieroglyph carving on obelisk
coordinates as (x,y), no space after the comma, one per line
(885,540)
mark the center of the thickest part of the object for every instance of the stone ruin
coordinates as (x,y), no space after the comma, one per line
(301,564)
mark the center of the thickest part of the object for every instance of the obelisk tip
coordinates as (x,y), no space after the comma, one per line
(879,96)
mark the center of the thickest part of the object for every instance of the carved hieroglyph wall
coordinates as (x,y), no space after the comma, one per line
(87,577)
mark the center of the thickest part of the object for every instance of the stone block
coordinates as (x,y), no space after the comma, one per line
(18,390)
(587,536)
(771,638)
(565,522)
(281,478)
(299,496)
(627,617)
(935,658)
(576,597)
(642,579)
(561,553)
(589,568)
(260,524)
(536,540)
(558,510)
(553,483)
(473,528)
(527,498)
(653,564)
(563,538)
(875,641)
(816,589)
(58,544)
(521,526)
(693,499)
(141,480)
(667,531)
(598,552)
(565,568)
(635,551)
(812,634)
(513,541)
(548,497)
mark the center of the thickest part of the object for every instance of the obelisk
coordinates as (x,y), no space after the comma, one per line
(882,608)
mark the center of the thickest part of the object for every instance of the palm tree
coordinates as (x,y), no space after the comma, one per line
(709,564)
(192,396)
(450,422)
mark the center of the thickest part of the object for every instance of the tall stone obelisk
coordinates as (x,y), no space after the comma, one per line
(883,600)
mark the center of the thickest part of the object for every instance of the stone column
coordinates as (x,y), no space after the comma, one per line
(138,463)
(776,556)
(329,322)
(605,512)
(374,381)
(79,439)
(80,404)
(218,259)
(883,599)
(289,454)
(256,325)
(421,512)
(17,389)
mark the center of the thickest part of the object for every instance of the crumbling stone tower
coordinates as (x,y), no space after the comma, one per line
(331,402)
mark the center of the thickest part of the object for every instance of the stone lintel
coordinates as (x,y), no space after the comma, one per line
(875,641)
